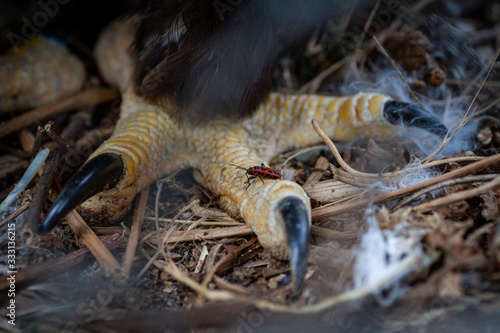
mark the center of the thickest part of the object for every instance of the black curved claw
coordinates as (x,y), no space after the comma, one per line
(100,173)
(396,112)
(296,218)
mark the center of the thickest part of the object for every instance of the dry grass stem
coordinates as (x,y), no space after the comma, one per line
(453,160)
(206,223)
(135,231)
(458,196)
(297,153)
(398,70)
(212,256)
(468,114)
(349,175)
(363,179)
(168,266)
(323,212)
(313,84)
(167,234)
(469,179)
(368,22)
(487,107)
(209,213)
(231,287)
(334,150)
(202,234)
(15,214)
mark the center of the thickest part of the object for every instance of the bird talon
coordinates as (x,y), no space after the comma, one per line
(400,112)
(295,216)
(98,174)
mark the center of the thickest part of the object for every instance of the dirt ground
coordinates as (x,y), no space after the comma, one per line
(435,214)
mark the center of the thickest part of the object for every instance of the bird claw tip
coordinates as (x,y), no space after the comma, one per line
(100,173)
(296,217)
(396,112)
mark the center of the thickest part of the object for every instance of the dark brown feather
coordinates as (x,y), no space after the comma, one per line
(220,64)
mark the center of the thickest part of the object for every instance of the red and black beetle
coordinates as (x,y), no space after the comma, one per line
(260,172)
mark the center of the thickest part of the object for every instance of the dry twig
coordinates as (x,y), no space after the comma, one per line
(94,244)
(79,100)
(57,266)
(202,234)
(135,231)
(15,214)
